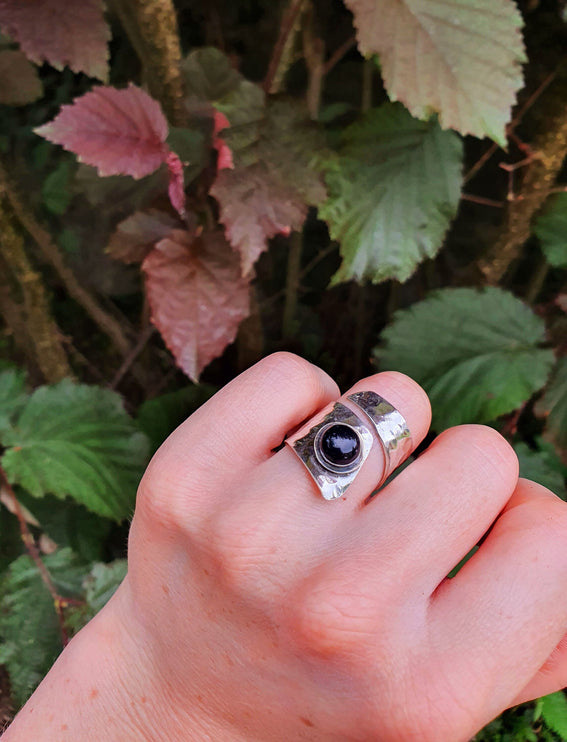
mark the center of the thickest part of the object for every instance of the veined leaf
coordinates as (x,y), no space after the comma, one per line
(553,405)
(392,194)
(13,397)
(197,295)
(61,33)
(551,230)
(30,639)
(554,712)
(476,353)
(77,440)
(459,58)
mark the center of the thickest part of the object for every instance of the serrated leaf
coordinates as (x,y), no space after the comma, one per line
(476,353)
(459,58)
(59,32)
(554,712)
(540,466)
(120,132)
(197,296)
(158,417)
(13,397)
(551,229)
(273,181)
(393,192)
(102,583)
(134,237)
(20,82)
(77,441)
(211,78)
(254,207)
(30,638)
(553,405)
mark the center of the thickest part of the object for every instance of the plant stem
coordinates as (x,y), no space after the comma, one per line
(368,69)
(314,53)
(152,28)
(280,61)
(59,602)
(292,284)
(338,54)
(537,280)
(40,327)
(110,326)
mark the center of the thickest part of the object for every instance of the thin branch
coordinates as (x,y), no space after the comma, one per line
(110,326)
(482,200)
(338,54)
(286,28)
(59,602)
(131,357)
(292,284)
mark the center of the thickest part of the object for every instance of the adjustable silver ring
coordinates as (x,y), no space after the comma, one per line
(334,446)
(391,427)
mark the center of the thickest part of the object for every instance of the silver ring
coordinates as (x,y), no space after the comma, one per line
(391,427)
(334,446)
(332,475)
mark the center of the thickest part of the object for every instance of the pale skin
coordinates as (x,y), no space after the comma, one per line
(254,610)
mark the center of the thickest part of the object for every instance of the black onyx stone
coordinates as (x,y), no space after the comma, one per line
(340,445)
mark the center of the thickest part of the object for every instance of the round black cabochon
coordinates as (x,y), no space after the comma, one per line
(340,445)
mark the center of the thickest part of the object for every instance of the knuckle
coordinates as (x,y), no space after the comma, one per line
(331,619)
(492,451)
(293,371)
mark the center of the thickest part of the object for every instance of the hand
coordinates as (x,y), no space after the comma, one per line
(256,610)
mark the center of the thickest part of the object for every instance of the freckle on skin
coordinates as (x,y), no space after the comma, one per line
(165,589)
(143,699)
(307,722)
(94,693)
(64,727)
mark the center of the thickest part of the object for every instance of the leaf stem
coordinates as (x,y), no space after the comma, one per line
(59,602)
(367,78)
(292,284)
(287,25)
(338,54)
(537,280)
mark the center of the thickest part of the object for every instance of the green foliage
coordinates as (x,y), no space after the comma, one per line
(542,466)
(553,710)
(393,191)
(553,405)
(56,188)
(76,440)
(477,353)
(551,230)
(30,638)
(13,396)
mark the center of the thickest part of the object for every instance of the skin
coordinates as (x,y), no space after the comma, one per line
(255,610)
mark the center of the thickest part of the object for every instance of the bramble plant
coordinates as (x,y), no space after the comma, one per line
(373,184)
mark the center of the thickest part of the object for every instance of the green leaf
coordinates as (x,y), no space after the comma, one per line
(554,713)
(393,191)
(13,397)
(476,353)
(77,440)
(553,405)
(30,638)
(210,77)
(160,416)
(551,229)
(460,59)
(100,585)
(541,466)
(56,191)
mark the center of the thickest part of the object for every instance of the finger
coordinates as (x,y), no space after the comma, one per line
(551,676)
(238,428)
(500,617)
(440,506)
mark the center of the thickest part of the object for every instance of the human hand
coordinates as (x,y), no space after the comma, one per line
(256,610)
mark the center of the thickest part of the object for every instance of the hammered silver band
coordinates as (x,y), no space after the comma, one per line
(378,419)
(391,428)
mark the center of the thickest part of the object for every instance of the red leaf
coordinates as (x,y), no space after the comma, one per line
(224,159)
(120,132)
(197,295)
(135,236)
(255,206)
(20,81)
(61,32)
(176,188)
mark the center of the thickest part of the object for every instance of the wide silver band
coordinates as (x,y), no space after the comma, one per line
(333,482)
(379,418)
(392,429)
